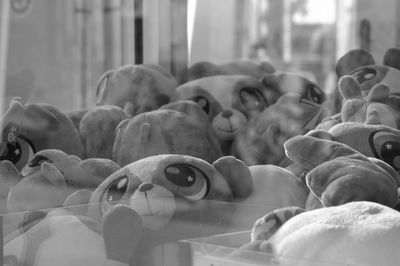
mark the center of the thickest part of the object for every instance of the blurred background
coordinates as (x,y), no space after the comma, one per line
(54,51)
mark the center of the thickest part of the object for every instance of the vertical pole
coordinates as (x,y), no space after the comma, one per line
(112,33)
(128,31)
(287,28)
(5,27)
(151,31)
(179,39)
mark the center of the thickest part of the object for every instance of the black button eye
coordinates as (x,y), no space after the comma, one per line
(251,99)
(386,146)
(203,102)
(314,93)
(364,74)
(187,181)
(117,189)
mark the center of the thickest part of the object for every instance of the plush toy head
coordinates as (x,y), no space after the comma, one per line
(97,130)
(139,88)
(261,141)
(338,174)
(62,238)
(373,108)
(361,66)
(229,101)
(379,141)
(273,187)
(357,233)
(206,69)
(177,197)
(27,129)
(178,128)
(51,176)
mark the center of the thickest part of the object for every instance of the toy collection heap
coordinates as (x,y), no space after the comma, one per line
(154,159)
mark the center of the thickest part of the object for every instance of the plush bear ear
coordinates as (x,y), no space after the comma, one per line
(392,58)
(379,93)
(151,137)
(271,82)
(99,166)
(349,87)
(190,108)
(101,86)
(52,174)
(237,174)
(353,59)
(311,152)
(321,134)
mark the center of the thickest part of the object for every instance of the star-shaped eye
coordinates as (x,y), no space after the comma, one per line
(190,179)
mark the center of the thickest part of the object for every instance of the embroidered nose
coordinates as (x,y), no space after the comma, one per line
(227,113)
(145,187)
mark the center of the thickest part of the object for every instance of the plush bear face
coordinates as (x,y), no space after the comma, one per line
(27,129)
(166,190)
(142,88)
(166,131)
(229,101)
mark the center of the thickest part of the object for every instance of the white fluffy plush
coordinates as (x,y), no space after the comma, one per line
(357,233)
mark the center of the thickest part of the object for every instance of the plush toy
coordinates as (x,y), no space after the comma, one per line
(50,177)
(229,101)
(178,128)
(97,130)
(273,187)
(177,197)
(261,141)
(27,129)
(63,238)
(356,233)
(337,174)
(206,69)
(138,88)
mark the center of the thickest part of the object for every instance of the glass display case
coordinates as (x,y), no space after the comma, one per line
(60,52)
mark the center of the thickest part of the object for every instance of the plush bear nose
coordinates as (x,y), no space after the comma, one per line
(227,113)
(145,187)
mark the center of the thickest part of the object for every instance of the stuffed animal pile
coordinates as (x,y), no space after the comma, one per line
(239,146)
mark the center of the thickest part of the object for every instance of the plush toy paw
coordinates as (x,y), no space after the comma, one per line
(338,174)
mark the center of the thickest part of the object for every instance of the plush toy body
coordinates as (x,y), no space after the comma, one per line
(27,129)
(140,88)
(357,233)
(63,238)
(261,141)
(177,197)
(178,128)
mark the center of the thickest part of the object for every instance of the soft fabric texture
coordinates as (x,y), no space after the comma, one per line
(337,174)
(138,88)
(97,130)
(261,141)
(62,238)
(359,233)
(177,197)
(178,128)
(29,128)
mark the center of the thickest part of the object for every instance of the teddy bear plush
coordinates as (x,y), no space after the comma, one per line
(97,130)
(64,238)
(229,102)
(356,233)
(336,173)
(177,197)
(29,128)
(138,88)
(50,177)
(261,141)
(177,128)
(241,67)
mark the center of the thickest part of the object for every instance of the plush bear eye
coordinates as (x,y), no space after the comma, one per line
(116,189)
(386,146)
(251,99)
(188,181)
(19,150)
(314,93)
(364,74)
(203,102)
(38,160)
